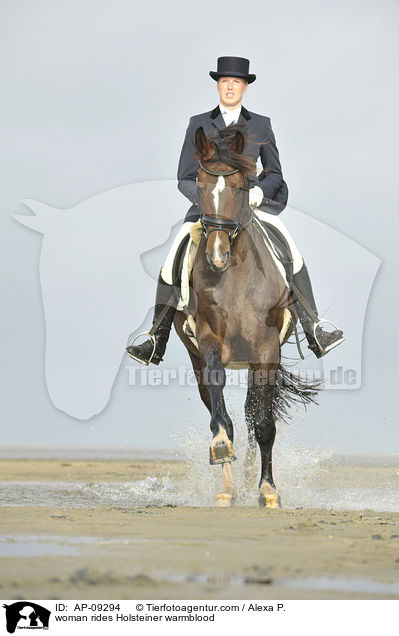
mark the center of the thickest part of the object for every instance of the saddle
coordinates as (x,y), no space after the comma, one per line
(277,244)
(184,261)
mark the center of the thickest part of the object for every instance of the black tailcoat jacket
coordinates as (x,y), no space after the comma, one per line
(261,143)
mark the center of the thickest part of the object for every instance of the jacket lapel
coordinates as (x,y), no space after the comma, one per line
(218,121)
(217,118)
(244,116)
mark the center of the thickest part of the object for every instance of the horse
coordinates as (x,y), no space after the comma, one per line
(239,302)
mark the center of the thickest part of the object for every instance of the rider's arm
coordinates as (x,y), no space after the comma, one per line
(188,166)
(271,178)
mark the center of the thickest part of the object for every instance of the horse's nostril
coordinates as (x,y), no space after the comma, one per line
(219,262)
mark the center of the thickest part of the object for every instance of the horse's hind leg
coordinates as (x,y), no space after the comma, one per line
(250,466)
(260,399)
(228,493)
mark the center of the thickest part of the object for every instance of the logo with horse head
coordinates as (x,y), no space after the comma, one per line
(26,615)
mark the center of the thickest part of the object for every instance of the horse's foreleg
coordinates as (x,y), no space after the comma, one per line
(214,377)
(227,494)
(260,395)
(221,448)
(198,367)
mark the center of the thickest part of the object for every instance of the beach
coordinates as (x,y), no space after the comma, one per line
(112,547)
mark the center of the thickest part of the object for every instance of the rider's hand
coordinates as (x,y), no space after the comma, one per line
(255,197)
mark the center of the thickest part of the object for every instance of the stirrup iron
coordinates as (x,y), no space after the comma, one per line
(144,333)
(334,344)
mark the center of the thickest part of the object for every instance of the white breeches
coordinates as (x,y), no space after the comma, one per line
(167,269)
(275,220)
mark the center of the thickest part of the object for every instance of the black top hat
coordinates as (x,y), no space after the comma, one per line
(233,67)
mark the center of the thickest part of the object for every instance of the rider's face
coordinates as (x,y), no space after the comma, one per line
(231,90)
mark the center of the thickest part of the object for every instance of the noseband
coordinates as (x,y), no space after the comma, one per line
(225,225)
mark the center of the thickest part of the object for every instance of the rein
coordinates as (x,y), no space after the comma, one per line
(224,225)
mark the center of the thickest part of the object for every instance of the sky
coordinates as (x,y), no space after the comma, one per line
(98,95)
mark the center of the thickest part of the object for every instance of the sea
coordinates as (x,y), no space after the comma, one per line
(305,478)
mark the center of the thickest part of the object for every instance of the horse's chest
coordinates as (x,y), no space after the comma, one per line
(237,296)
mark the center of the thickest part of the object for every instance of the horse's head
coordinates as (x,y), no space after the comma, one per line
(223,190)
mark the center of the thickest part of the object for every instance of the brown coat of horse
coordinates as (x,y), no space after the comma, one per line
(239,301)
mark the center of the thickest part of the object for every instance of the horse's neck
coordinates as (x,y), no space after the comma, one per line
(250,241)
(246,241)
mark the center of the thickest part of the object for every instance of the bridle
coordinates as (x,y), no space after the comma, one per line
(226,225)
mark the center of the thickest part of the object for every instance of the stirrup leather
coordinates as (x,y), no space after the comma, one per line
(144,333)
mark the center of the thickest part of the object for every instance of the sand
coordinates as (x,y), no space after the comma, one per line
(145,552)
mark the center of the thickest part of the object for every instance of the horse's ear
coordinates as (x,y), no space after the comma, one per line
(203,145)
(238,143)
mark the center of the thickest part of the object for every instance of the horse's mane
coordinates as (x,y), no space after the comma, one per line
(221,141)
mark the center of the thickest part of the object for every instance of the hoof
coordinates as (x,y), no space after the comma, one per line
(227,497)
(221,451)
(268,497)
(269,501)
(224,500)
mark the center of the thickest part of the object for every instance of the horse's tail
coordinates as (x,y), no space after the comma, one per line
(291,389)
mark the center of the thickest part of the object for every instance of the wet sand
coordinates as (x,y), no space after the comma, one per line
(113,552)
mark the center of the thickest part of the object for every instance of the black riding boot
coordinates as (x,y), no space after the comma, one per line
(320,342)
(142,353)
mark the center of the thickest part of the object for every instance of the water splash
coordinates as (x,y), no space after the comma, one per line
(305,478)
(294,466)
